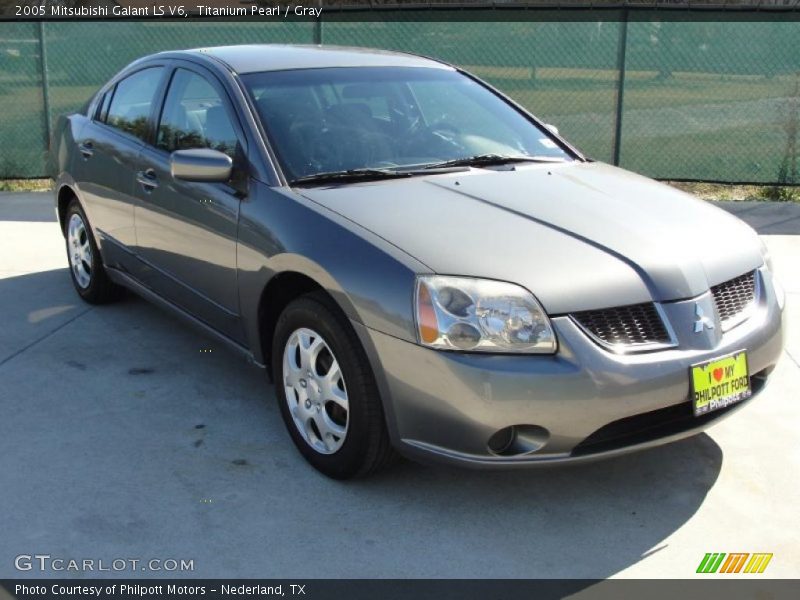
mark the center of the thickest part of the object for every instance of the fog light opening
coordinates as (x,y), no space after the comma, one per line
(516,440)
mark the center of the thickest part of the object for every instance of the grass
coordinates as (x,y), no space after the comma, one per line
(26,185)
(747,152)
(738,193)
(567,91)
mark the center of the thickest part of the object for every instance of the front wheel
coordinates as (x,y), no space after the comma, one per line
(326,391)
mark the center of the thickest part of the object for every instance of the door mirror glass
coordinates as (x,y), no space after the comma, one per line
(202,164)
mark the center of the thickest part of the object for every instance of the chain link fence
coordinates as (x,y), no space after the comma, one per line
(710,100)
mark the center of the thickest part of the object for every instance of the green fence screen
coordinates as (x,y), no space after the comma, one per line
(673,99)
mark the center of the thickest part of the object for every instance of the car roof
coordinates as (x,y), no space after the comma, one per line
(279,57)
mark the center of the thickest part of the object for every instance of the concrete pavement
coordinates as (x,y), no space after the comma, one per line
(121,436)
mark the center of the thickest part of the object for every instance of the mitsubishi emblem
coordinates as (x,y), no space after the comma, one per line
(702,321)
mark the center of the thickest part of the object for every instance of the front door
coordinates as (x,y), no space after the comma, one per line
(186,231)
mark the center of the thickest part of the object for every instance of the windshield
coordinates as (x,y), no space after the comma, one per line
(340,119)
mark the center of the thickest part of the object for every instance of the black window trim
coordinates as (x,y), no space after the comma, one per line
(98,106)
(99,114)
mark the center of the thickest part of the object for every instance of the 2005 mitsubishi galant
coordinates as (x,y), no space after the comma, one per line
(421,265)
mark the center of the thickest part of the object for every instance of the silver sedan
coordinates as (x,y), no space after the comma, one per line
(420,265)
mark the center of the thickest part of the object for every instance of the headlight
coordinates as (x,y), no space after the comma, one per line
(463,313)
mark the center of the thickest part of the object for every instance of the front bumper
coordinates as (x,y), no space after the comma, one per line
(589,402)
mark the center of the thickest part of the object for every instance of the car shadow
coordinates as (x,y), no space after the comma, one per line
(585,521)
(149,437)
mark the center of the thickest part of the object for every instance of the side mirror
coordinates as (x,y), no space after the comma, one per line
(552,128)
(202,164)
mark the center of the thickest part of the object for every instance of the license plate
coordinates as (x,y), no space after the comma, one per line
(719,383)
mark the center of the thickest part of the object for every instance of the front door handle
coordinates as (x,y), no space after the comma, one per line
(147,179)
(86,148)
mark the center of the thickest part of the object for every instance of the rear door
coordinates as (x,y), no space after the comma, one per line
(104,167)
(186,231)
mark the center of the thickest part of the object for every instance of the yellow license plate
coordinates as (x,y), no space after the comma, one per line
(720,382)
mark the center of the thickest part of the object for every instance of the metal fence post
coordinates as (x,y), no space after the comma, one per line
(621,56)
(45,84)
(318,26)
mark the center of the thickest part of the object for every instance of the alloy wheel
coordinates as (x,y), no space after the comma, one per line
(315,391)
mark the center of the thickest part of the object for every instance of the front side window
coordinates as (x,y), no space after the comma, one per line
(336,119)
(194,116)
(132,101)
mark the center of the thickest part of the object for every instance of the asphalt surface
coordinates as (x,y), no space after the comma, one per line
(126,434)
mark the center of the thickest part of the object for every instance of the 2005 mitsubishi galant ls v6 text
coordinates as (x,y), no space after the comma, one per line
(421,265)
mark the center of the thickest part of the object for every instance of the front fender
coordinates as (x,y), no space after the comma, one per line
(279,232)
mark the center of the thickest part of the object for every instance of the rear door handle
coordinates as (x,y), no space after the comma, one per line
(147,179)
(86,148)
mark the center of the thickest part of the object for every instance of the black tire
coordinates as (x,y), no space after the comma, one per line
(366,448)
(100,289)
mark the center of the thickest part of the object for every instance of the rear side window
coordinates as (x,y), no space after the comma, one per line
(133,98)
(194,116)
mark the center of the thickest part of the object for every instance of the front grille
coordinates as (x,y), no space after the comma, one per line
(732,298)
(634,325)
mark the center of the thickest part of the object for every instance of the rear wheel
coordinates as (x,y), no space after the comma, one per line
(86,266)
(326,391)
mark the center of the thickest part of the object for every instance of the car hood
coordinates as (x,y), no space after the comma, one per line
(578,235)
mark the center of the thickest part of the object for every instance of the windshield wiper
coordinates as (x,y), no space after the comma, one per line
(485,160)
(350,175)
(367,174)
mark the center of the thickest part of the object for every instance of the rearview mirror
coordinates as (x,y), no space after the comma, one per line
(202,164)
(552,128)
